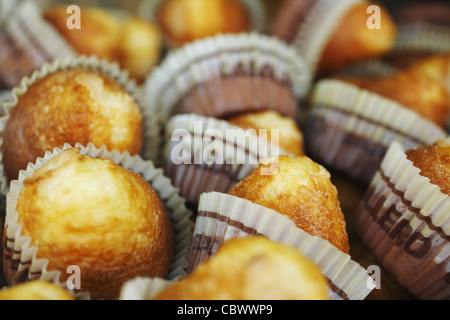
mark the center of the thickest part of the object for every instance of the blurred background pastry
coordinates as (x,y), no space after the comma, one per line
(239,269)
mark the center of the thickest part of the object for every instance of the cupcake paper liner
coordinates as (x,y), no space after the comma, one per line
(317,27)
(143,288)
(370,68)
(148,9)
(263,59)
(404,221)
(350,129)
(423,37)
(27,42)
(21,263)
(151,128)
(236,156)
(222,217)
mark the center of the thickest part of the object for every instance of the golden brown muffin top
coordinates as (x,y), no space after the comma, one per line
(302,190)
(99,33)
(35,290)
(353,41)
(434,163)
(96,215)
(184,21)
(68,107)
(239,271)
(290,137)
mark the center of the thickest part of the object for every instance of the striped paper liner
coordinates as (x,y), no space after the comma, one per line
(222,217)
(237,154)
(269,64)
(21,263)
(27,41)
(350,129)
(404,221)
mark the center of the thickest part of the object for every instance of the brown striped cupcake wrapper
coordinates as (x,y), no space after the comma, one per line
(308,25)
(148,9)
(228,74)
(404,221)
(151,128)
(222,217)
(20,259)
(27,42)
(350,129)
(204,154)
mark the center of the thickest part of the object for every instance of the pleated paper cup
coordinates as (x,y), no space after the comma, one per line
(423,37)
(20,260)
(228,74)
(370,68)
(204,154)
(350,129)
(309,25)
(27,42)
(404,220)
(222,217)
(150,125)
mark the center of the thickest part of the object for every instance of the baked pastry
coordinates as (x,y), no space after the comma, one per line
(132,42)
(35,290)
(184,21)
(290,137)
(239,271)
(300,189)
(417,88)
(434,163)
(99,33)
(95,214)
(403,219)
(139,48)
(70,106)
(352,32)
(332,35)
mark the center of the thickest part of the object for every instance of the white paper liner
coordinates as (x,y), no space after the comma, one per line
(151,128)
(6,7)
(416,210)
(35,43)
(215,57)
(148,9)
(237,156)
(223,217)
(143,288)
(350,129)
(319,25)
(423,37)
(20,245)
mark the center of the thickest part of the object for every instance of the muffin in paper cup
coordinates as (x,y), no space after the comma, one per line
(403,220)
(151,129)
(204,154)
(350,129)
(23,48)
(308,25)
(228,74)
(21,263)
(222,217)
